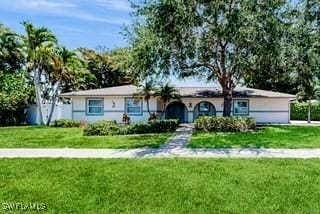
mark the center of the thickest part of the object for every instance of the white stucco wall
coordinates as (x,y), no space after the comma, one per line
(110,112)
(191,103)
(270,110)
(264,110)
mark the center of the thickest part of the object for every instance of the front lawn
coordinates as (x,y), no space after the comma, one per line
(292,137)
(47,137)
(163,185)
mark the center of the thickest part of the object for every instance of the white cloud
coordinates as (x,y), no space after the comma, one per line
(60,9)
(115,5)
(91,17)
(43,5)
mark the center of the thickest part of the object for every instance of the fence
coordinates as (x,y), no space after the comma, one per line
(61,111)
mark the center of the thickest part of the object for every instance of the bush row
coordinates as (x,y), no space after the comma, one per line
(299,111)
(65,123)
(225,124)
(101,128)
(111,128)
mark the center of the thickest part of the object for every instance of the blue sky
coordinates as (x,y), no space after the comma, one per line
(76,23)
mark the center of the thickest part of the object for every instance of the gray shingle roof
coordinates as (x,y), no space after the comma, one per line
(130,90)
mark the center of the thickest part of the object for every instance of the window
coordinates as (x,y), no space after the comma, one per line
(204,107)
(133,106)
(95,106)
(241,107)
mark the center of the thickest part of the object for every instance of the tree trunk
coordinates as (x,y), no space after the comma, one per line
(227,101)
(53,102)
(309,111)
(225,81)
(148,106)
(36,77)
(53,105)
(163,110)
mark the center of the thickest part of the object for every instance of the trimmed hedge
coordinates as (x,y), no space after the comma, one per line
(111,128)
(299,111)
(102,128)
(65,123)
(224,124)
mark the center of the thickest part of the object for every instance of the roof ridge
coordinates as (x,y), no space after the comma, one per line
(195,87)
(184,90)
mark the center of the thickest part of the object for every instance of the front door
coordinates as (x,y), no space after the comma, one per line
(176,110)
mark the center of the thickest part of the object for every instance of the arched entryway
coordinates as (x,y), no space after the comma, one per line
(204,109)
(177,110)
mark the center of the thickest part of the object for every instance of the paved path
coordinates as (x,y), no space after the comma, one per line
(181,139)
(303,123)
(160,153)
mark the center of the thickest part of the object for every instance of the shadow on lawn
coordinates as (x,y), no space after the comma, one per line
(263,137)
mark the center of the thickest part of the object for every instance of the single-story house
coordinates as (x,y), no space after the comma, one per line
(111,103)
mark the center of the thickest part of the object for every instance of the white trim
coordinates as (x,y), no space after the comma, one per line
(246,108)
(95,106)
(140,106)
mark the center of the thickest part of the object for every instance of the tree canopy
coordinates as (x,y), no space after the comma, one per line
(11,53)
(37,68)
(214,40)
(271,45)
(110,68)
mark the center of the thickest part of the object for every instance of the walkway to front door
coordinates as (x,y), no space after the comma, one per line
(180,141)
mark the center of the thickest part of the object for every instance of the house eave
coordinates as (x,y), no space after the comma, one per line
(185,96)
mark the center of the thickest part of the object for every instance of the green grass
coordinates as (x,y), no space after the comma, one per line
(47,137)
(163,185)
(292,137)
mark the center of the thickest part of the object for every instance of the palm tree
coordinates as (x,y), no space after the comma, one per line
(146,90)
(34,40)
(63,69)
(11,53)
(166,93)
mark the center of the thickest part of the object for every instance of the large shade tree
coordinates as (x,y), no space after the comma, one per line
(273,62)
(307,54)
(213,40)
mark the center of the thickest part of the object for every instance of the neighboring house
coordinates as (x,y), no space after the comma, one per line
(111,103)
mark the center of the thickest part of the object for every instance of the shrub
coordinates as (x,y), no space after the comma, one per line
(107,128)
(14,98)
(225,124)
(65,123)
(164,125)
(155,126)
(152,117)
(102,128)
(299,111)
(126,119)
